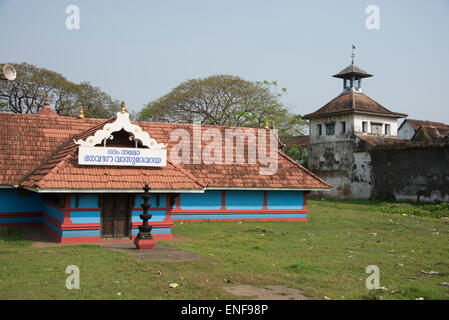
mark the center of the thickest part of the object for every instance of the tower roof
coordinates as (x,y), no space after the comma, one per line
(351,71)
(46,110)
(353,102)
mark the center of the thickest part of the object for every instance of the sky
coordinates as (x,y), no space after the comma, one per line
(137,51)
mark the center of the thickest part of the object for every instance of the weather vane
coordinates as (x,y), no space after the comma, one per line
(353,53)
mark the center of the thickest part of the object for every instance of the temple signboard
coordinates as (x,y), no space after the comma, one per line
(110,156)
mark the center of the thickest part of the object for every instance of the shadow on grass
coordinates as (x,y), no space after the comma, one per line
(14,237)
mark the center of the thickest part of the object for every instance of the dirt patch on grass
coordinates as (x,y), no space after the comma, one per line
(258,229)
(178,238)
(160,252)
(40,238)
(267,293)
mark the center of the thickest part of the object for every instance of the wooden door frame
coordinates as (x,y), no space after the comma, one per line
(131,200)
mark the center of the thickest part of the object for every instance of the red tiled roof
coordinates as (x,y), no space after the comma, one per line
(47,111)
(424,123)
(302,141)
(353,102)
(431,133)
(27,140)
(45,157)
(373,141)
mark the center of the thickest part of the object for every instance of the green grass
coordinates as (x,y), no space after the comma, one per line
(325,256)
(404,208)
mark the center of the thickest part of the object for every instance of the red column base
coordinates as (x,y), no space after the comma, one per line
(144,243)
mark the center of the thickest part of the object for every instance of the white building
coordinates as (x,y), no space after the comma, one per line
(342,132)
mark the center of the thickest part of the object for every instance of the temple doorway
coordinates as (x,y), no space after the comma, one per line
(116,215)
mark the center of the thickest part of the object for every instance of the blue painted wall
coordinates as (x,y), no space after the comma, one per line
(86,201)
(157,215)
(85,216)
(209,200)
(241,199)
(237,216)
(53,212)
(285,199)
(91,201)
(21,220)
(10,201)
(96,233)
(153,201)
(80,233)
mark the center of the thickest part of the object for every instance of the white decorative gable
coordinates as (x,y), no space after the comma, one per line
(122,122)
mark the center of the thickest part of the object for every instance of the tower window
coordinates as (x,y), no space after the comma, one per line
(330,129)
(319,129)
(376,128)
(387,129)
(343,127)
(364,126)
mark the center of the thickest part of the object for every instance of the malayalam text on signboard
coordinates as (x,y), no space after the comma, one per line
(108,156)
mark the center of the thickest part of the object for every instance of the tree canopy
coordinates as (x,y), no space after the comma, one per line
(26,94)
(217,100)
(227,100)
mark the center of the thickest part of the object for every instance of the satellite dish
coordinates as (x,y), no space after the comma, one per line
(8,72)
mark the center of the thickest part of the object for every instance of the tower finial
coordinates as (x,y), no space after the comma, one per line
(266,125)
(353,53)
(81,113)
(46,101)
(123,110)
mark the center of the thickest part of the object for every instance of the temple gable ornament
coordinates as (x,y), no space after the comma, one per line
(122,122)
(89,153)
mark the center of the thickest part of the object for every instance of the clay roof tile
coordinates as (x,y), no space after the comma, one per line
(47,143)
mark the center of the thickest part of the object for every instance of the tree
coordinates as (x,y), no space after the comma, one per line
(26,94)
(226,100)
(217,100)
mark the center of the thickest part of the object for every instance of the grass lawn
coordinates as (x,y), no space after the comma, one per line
(325,256)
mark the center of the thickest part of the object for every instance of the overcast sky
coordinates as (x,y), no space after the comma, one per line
(137,51)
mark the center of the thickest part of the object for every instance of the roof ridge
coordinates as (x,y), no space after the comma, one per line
(322,107)
(353,100)
(56,168)
(429,123)
(47,160)
(303,169)
(36,115)
(391,112)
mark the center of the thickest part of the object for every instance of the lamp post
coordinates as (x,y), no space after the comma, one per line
(144,239)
